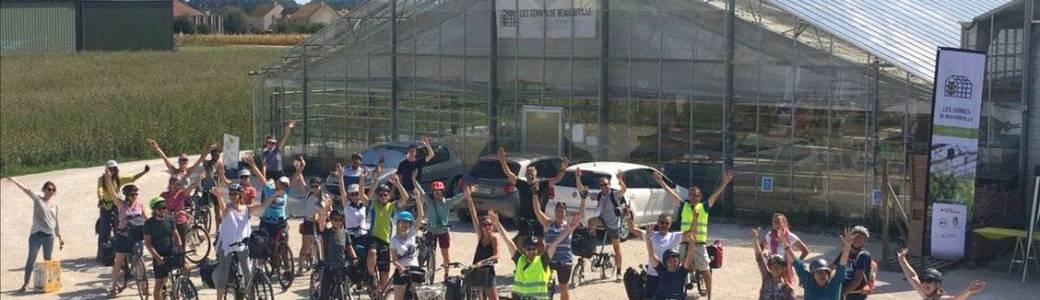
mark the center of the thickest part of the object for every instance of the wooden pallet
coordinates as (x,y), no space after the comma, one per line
(923,262)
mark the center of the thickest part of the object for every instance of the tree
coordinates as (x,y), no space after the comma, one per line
(235,21)
(183,25)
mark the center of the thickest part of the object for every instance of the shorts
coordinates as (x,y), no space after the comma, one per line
(123,244)
(307,227)
(444,240)
(563,272)
(481,278)
(612,233)
(402,278)
(650,288)
(700,257)
(273,228)
(382,250)
(172,262)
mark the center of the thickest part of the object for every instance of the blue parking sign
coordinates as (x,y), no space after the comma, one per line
(767,184)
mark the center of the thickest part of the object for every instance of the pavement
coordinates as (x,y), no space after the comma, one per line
(82,278)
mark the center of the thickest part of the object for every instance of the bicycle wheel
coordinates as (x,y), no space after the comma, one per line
(198,245)
(140,279)
(127,277)
(702,288)
(261,288)
(578,274)
(608,268)
(431,265)
(285,268)
(315,285)
(186,289)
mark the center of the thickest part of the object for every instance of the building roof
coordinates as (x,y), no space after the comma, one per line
(263,9)
(906,34)
(181,9)
(308,10)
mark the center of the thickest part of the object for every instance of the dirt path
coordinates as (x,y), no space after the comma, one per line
(83,279)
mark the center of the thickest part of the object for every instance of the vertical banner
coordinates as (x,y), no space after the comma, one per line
(550,19)
(231,152)
(954,147)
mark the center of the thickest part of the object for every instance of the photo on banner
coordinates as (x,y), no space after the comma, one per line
(954,148)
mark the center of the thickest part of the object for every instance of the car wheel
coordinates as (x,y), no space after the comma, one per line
(624,234)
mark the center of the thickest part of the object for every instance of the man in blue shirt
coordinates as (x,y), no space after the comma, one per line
(858,268)
(821,283)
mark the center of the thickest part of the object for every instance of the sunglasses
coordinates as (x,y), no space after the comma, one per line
(930,281)
(384,195)
(316,186)
(486,224)
(664,223)
(50,189)
(337,220)
(133,194)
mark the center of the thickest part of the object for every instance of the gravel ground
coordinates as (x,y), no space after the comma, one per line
(83,279)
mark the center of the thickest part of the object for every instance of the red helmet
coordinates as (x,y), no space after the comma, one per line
(437,185)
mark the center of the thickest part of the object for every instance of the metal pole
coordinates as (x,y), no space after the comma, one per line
(493,77)
(1032,227)
(306,91)
(604,100)
(727,106)
(885,213)
(393,70)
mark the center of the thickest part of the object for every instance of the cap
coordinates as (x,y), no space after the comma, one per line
(129,188)
(272,140)
(245,173)
(183,157)
(819,265)
(383,187)
(315,180)
(776,259)
(930,274)
(111,164)
(531,241)
(284,180)
(437,185)
(405,216)
(357,156)
(156,202)
(861,229)
(234,187)
(353,188)
(669,254)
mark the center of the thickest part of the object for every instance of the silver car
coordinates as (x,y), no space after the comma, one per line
(493,190)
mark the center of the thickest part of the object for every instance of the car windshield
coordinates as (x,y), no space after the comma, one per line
(393,155)
(589,179)
(491,169)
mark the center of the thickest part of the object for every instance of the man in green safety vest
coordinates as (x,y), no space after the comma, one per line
(531,278)
(694,215)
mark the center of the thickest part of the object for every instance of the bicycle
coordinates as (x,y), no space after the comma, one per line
(600,259)
(338,288)
(281,266)
(200,210)
(132,273)
(416,290)
(427,257)
(315,257)
(179,285)
(257,289)
(197,243)
(465,281)
(696,278)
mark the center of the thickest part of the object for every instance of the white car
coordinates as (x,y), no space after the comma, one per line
(645,196)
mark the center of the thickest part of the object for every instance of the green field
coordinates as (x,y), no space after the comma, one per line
(63,110)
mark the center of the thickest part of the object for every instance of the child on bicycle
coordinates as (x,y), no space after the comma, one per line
(337,246)
(563,259)
(531,277)
(234,228)
(486,253)
(404,251)
(164,244)
(128,209)
(774,269)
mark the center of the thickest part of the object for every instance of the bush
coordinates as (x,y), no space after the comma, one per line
(202,29)
(183,25)
(236,21)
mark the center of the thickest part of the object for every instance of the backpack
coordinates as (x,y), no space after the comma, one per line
(259,244)
(453,289)
(715,255)
(634,283)
(106,255)
(206,268)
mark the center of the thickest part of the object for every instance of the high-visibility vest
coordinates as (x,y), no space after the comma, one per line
(686,220)
(531,279)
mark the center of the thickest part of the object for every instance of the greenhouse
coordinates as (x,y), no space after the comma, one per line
(819,98)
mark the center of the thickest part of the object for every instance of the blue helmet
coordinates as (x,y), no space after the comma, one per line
(405,216)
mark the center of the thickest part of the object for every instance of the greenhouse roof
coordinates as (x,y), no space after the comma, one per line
(904,33)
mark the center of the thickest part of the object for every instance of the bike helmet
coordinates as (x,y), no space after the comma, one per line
(315,180)
(669,254)
(129,188)
(156,202)
(530,241)
(405,216)
(235,188)
(383,188)
(437,185)
(819,265)
(861,230)
(245,173)
(776,259)
(356,156)
(930,274)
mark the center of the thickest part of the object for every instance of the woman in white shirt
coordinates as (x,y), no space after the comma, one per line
(45,225)
(234,227)
(774,242)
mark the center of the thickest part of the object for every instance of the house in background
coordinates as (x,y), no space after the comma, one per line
(315,12)
(215,22)
(264,16)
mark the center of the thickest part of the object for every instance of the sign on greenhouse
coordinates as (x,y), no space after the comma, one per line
(954,148)
(553,19)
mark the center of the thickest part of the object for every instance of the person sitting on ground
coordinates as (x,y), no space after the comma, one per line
(773,269)
(531,278)
(671,275)
(928,283)
(819,282)
(45,226)
(164,243)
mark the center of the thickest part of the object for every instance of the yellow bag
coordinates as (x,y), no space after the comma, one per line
(47,276)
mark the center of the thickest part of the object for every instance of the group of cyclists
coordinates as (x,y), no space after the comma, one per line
(376,234)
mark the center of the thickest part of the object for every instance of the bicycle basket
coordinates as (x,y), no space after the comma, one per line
(259,244)
(583,244)
(429,292)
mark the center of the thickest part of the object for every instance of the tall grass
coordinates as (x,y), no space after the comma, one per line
(65,110)
(239,39)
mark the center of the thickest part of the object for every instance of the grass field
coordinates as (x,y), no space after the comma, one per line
(239,39)
(63,110)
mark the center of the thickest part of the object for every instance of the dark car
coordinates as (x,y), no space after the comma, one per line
(445,166)
(494,192)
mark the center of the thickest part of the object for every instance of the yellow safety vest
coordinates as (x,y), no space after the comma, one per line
(531,279)
(702,220)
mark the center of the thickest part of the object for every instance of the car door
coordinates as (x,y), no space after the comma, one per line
(638,194)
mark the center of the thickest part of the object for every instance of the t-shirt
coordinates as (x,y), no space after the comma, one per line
(523,189)
(311,206)
(661,243)
(275,211)
(405,170)
(234,227)
(830,291)
(161,232)
(104,200)
(776,246)
(335,241)
(772,288)
(352,175)
(437,213)
(670,285)
(355,216)
(406,248)
(382,219)
(248,193)
(175,204)
(858,260)
(272,159)
(607,208)
(45,216)
(563,253)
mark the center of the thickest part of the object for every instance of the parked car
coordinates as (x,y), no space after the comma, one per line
(494,192)
(646,198)
(446,166)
